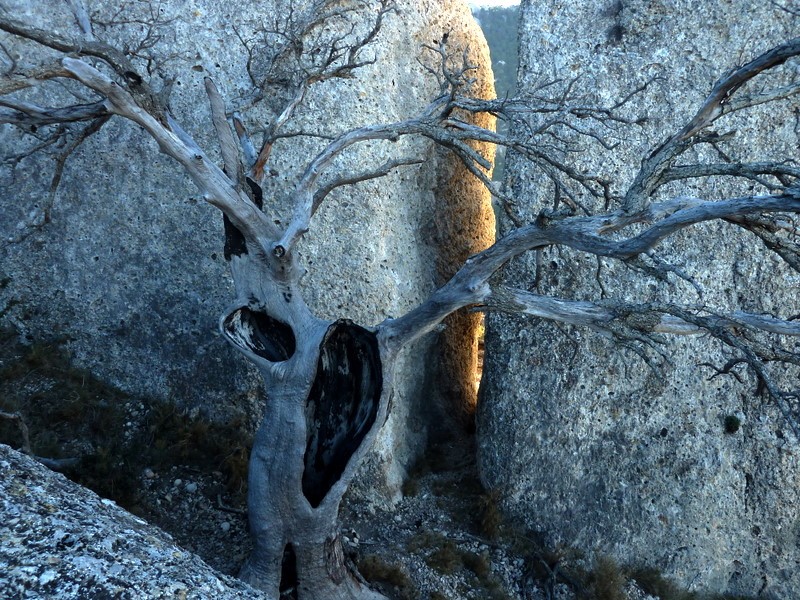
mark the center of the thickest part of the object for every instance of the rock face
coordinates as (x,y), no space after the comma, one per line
(60,541)
(587,444)
(124,260)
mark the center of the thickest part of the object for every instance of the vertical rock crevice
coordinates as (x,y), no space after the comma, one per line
(465,225)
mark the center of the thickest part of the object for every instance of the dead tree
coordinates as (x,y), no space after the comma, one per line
(328,383)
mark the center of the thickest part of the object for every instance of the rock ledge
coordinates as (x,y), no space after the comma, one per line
(59,540)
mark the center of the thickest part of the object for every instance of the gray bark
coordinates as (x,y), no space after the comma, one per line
(327,387)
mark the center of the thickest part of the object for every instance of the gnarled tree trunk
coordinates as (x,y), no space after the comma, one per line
(326,389)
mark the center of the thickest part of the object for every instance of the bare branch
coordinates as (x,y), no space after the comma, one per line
(29,114)
(453,74)
(218,188)
(245,143)
(437,124)
(116,59)
(630,324)
(228,146)
(756,355)
(15,81)
(257,169)
(110,55)
(661,270)
(544,126)
(471,284)
(753,171)
(303,196)
(781,93)
(343,54)
(381,171)
(783,7)
(82,18)
(145,25)
(645,318)
(427,124)
(88,131)
(718,103)
(309,46)
(770,233)
(53,138)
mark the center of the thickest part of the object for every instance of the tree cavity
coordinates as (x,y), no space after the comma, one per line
(342,405)
(261,334)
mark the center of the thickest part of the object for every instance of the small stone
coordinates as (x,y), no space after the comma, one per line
(177,482)
(191,488)
(47,577)
(149,474)
(168,497)
(225,526)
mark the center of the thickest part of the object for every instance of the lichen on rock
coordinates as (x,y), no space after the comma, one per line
(61,541)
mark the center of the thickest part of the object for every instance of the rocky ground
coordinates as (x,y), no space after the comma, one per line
(61,541)
(445,539)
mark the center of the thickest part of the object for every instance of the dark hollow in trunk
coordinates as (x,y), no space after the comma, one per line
(341,406)
(289,578)
(263,335)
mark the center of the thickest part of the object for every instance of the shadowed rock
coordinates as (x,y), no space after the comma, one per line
(60,541)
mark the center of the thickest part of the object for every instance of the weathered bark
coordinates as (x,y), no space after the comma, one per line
(327,393)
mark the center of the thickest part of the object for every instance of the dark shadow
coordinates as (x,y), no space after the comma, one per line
(343,404)
(289,579)
(259,333)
